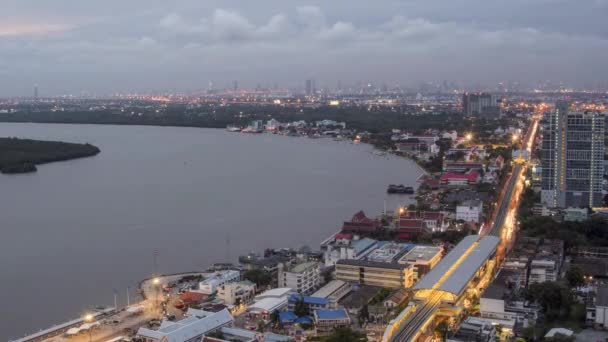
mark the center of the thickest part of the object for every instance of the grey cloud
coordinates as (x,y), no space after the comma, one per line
(409,41)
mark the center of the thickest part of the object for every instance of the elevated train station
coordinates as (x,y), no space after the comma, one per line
(463,272)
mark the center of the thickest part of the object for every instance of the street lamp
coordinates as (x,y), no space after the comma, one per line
(89,319)
(156,282)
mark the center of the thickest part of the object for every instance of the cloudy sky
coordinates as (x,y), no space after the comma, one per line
(67,46)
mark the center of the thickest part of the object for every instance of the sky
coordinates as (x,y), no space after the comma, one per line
(103,47)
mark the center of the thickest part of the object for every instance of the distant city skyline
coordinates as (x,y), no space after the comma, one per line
(145,46)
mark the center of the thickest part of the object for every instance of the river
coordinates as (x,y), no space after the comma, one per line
(75,232)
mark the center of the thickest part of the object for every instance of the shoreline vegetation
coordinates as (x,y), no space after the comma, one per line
(22,155)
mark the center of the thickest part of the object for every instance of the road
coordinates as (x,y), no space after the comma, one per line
(503,226)
(418,319)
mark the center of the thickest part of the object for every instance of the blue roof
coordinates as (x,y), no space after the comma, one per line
(331,314)
(309,300)
(363,244)
(303,319)
(287,316)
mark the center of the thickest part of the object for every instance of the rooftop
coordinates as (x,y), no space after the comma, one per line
(331,314)
(302,267)
(417,253)
(365,263)
(329,289)
(198,322)
(309,299)
(483,248)
(601,298)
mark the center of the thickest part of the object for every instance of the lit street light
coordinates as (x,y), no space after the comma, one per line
(89,319)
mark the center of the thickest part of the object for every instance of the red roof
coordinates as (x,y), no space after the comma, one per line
(343,236)
(432,215)
(192,297)
(360,217)
(410,223)
(359,223)
(358,226)
(471,176)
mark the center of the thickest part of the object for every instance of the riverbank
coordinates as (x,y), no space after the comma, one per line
(22,155)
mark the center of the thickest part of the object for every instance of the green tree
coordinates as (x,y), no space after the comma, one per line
(363,314)
(554,298)
(575,276)
(259,277)
(441,330)
(300,309)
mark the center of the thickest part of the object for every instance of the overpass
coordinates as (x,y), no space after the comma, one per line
(449,280)
(446,284)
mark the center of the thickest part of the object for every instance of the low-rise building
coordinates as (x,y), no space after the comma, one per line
(345,246)
(388,252)
(388,275)
(235,293)
(270,301)
(333,291)
(423,258)
(195,325)
(575,214)
(542,269)
(597,311)
(397,297)
(501,305)
(303,277)
(360,223)
(312,303)
(469,211)
(328,320)
(460,179)
(474,329)
(217,279)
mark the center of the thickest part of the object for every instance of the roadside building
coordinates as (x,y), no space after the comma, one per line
(195,325)
(270,301)
(328,320)
(303,277)
(388,275)
(360,223)
(217,279)
(542,269)
(457,166)
(345,246)
(469,211)
(460,179)
(575,214)
(388,252)
(597,311)
(474,329)
(397,297)
(501,304)
(333,292)
(423,258)
(312,303)
(239,292)
(434,221)
(409,228)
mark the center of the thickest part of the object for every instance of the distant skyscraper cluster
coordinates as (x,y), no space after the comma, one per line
(481,104)
(572,158)
(311,87)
